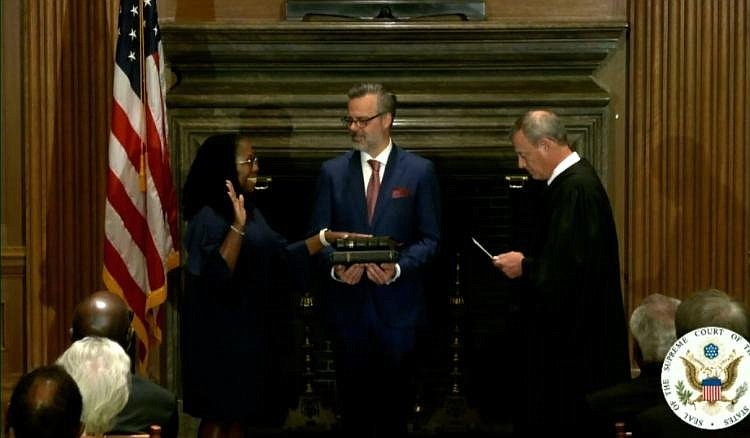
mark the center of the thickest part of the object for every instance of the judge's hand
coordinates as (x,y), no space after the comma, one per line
(238,204)
(381,274)
(510,263)
(349,275)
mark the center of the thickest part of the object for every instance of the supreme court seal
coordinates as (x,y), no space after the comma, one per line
(705,378)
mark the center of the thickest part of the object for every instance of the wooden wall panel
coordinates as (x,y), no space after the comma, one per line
(65,134)
(690,129)
(11,223)
(12,343)
(40,71)
(11,211)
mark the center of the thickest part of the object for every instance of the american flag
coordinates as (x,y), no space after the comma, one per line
(141,237)
(711,389)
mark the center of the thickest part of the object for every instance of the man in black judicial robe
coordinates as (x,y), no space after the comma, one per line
(573,336)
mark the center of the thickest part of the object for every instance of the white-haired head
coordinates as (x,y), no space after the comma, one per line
(653,326)
(101,368)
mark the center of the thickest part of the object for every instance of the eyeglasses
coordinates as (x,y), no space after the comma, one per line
(361,123)
(251,161)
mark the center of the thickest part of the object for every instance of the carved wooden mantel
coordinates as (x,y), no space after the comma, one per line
(460,86)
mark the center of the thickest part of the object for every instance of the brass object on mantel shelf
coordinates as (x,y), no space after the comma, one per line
(384,10)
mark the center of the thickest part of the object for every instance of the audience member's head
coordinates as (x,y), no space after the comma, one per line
(712,307)
(101,368)
(106,315)
(45,403)
(653,327)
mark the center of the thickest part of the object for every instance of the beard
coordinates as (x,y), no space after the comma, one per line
(359,143)
(364,142)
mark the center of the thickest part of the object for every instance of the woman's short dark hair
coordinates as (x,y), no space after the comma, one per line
(214,163)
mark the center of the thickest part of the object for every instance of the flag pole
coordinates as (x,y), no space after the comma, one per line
(143,362)
(144,103)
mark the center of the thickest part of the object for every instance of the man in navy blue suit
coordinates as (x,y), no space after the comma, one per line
(383,190)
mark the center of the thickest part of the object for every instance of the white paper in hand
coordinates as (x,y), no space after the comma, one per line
(481,247)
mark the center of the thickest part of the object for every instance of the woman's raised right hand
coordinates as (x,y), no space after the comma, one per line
(238,204)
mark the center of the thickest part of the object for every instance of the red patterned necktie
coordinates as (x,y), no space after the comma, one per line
(373,188)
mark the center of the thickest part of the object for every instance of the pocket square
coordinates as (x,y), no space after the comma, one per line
(400,192)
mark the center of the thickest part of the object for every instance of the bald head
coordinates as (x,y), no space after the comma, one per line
(46,403)
(102,314)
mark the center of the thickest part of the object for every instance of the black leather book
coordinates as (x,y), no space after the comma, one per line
(366,256)
(375,249)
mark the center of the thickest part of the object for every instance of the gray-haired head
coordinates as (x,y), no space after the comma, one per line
(101,369)
(386,99)
(712,308)
(538,124)
(652,324)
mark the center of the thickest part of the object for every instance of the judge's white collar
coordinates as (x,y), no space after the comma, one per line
(564,164)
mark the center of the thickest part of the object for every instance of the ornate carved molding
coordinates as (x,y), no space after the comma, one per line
(460,86)
(382,46)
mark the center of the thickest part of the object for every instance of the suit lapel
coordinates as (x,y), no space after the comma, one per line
(356,188)
(393,170)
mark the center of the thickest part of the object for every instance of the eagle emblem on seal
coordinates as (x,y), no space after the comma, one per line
(711,380)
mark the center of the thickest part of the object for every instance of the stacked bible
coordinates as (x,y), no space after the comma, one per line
(376,249)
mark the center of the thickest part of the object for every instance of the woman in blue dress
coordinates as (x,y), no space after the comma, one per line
(231,254)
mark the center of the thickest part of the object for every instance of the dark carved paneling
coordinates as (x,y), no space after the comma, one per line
(460,88)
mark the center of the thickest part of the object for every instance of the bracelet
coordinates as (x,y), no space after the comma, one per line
(322,237)
(237,230)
